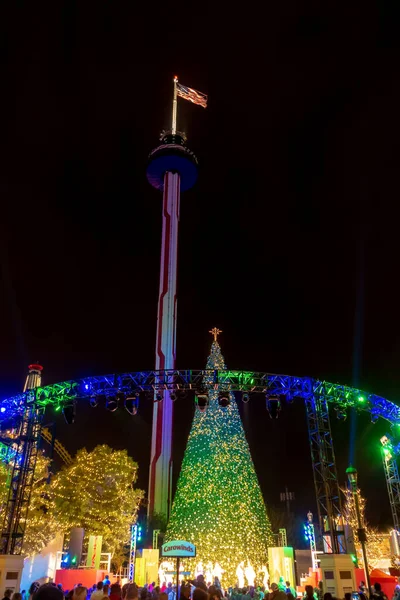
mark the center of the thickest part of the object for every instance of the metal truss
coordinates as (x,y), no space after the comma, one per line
(324,470)
(27,410)
(197,380)
(21,483)
(392,482)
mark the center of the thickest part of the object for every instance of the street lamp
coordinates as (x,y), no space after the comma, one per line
(351,473)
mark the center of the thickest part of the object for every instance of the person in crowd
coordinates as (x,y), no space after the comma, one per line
(347,596)
(377,593)
(277,594)
(7,595)
(48,591)
(124,589)
(290,596)
(185,591)
(199,583)
(35,585)
(214,593)
(23,594)
(132,592)
(79,593)
(362,588)
(115,592)
(328,596)
(289,589)
(199,593)
(106,580)
(106,590)
(309,595)
(98,593)
(163,596)
(170,591)
(16,596)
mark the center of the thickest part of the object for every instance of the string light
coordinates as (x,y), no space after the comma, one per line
(218,504)
(378,545)
(96,492)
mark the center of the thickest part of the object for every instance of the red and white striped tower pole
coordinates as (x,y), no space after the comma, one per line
(172,168)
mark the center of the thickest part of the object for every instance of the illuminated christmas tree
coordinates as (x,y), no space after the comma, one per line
(378,546)
(97,492)
(41,526)
(218,505)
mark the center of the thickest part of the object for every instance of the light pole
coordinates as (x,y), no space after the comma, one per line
(351,473)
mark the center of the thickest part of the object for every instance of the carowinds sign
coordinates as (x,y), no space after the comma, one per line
(178,549)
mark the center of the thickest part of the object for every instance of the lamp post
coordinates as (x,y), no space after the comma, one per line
(351,473)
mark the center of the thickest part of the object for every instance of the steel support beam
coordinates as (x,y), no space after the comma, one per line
(324,470)
(393,485)
(19,494)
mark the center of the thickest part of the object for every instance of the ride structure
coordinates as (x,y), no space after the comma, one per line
(172,168)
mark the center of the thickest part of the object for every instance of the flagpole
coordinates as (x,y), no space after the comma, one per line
(174,106)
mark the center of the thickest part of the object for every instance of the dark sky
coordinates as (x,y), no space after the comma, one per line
(290,234)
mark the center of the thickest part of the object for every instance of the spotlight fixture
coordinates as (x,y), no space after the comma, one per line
(374,418)
(158,397)
(111,403)
(202,402)
(341,413)
(68,411)
(174,396)
(131,404)
(245,397)
(223,400)
(93,401)
(273,406)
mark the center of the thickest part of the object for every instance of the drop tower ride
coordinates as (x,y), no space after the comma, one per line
(172,168)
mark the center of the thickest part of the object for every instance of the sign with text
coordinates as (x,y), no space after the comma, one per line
(178,549)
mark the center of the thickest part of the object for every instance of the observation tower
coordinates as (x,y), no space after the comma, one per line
(172,169)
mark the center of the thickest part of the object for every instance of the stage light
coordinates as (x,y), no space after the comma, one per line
(3,409)
(68,411)
(223,400)
(94,401)
(341,414)
(361,399)
(273,406)
(202,402)
(158,397)
(245,397)
(111,403)
(173,396)
(131,404)
(86,386)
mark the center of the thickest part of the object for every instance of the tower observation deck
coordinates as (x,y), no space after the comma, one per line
(172,169)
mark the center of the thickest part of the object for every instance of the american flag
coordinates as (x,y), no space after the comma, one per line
(192,95)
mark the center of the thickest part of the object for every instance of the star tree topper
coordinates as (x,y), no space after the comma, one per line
(215,332)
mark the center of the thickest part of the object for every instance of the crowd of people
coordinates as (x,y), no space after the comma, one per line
(189,590)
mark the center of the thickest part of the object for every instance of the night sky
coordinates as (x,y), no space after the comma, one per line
(288,242)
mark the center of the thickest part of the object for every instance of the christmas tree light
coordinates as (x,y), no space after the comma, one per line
(96,492)
(218,505)
(41,526)
(378,545)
